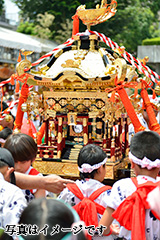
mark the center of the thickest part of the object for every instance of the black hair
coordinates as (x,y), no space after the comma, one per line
(5,133)
(6,159)
(91,154)
(5,236)
(47,211)
(3,164)
(22,147)
(146,144)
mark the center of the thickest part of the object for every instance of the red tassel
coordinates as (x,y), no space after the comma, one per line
(143,105)
(17,87)
(12,79)
(75,25)
(112,98)
(154,94)
(19,57)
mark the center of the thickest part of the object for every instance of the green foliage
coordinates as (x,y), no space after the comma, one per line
(152,41)
(1,6)
(134,21)
(40,28)
(44,22)
(64,33)
(26,27)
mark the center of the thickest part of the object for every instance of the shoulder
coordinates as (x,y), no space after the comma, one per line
(123,184)
(120,190)
(11,191)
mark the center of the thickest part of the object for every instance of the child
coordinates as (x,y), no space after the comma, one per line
(55,218)
(134,213)
(91,164)
(12,200)
(24,149)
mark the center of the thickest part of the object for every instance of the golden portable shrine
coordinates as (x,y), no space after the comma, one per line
(83,97)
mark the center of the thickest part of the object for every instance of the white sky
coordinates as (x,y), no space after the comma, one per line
(11,11)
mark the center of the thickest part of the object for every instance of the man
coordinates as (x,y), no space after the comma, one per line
(143,117)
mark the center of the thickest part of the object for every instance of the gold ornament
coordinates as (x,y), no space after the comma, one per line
(8,118)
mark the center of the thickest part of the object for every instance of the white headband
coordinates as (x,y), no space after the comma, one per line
(87,168)
(145,162)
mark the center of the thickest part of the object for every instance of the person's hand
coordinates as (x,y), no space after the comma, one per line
(54,183)
(115,229)
(7,122)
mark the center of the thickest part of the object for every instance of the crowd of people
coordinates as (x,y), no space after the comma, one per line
(85,208)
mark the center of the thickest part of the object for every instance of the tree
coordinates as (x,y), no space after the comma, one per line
(1,6)
(62,10)
(26,27)
(42,29)
(64,33)
(134,21)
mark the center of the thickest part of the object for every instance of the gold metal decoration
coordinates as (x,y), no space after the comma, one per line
(8,118)
(121,66)
(33,105)
(70,64)
(157,90)
(91,17)
(72,116)
(79,102)
(24,63)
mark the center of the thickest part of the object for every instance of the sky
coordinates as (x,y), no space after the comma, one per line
(11,11)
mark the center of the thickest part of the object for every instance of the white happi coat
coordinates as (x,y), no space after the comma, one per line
(29,193)
(87,187)
(124,188)
(12,203)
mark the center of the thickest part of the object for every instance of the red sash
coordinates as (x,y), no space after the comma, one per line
(87,208)
(131,212)
(33,171)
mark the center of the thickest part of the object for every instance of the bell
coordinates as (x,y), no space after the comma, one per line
(157,90)
(8,118)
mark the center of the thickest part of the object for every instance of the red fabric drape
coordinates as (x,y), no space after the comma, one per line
(23,98)
(131,212)
(153,124)
(40,133)
(75,25)
(130,110)
(87,208)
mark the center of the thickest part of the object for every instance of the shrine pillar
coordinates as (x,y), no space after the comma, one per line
(120,135)
(85,131)
(60,137)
